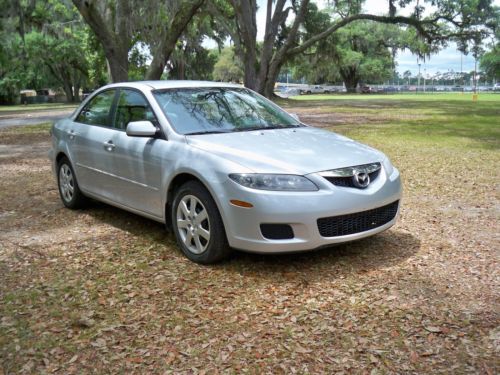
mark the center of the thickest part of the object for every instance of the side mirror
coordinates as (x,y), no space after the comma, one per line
(141,129)
(295,116)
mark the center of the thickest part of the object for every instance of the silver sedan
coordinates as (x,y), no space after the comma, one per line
(223,167)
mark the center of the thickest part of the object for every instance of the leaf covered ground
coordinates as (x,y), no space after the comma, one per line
(104,291)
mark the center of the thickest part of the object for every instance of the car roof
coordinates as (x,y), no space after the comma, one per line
(164,84)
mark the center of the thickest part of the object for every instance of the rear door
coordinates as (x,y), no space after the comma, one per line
(92,145)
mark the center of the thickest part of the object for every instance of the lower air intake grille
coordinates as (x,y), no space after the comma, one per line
(277,231)
(357,222)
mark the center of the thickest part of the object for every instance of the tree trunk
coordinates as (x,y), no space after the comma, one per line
(351,79)
(181,69)
(270,81)
(270,63)
(76,88)
(117,59)
(156,68)
(250,77)
(114,38)
(68,91)
(351,83)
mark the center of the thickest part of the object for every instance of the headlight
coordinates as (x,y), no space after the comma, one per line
(388,166)
(278,182)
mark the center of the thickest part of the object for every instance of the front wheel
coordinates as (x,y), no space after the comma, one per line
(197,224)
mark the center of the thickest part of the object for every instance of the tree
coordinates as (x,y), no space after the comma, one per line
(449,19)
(190,59)
(228,68)
(407,76)
(490,63)
(119,24)
(45,44)
(359,52)
(62,55)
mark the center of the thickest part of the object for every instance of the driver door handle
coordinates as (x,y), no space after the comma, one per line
(109,146)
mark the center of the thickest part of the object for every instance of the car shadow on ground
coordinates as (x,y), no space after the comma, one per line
(381,251)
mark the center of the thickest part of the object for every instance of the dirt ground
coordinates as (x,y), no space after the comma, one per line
(104,291)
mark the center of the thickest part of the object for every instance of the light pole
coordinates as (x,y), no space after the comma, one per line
(461,70)
(424,77)
(475,75)
(418,83)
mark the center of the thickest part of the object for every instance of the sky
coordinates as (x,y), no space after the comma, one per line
(447,59)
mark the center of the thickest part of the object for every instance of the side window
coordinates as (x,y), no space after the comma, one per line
(96,112)
(132,106)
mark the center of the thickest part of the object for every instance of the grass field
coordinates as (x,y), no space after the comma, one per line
(101,290)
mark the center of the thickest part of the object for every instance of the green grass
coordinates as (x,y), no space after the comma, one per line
(34,107)
(430,120)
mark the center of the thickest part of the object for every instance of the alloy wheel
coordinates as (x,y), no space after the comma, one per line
(193,224)
(66,182)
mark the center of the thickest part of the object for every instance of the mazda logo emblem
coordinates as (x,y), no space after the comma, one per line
(361,179)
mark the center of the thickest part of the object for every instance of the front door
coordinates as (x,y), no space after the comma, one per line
(137,161)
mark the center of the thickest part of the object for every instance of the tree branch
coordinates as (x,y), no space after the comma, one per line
(417,24)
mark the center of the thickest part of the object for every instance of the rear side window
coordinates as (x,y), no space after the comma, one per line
(132,106)
(97,111)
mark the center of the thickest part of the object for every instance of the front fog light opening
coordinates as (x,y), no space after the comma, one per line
(277,231)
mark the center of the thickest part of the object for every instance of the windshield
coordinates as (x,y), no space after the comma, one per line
(220,110)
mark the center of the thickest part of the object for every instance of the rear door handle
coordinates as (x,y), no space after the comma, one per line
(109,146)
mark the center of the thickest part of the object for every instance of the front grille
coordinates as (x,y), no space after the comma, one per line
(277,231)
(357,222)
(348,181)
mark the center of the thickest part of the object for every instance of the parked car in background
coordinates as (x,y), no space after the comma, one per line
(390,89)
(315,90)
(223,167)
(365,89)
(290,91)
(496,87)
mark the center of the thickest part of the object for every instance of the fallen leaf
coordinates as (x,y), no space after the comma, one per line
(433,329)
(414,357)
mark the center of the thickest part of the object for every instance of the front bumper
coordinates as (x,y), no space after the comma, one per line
(301,210)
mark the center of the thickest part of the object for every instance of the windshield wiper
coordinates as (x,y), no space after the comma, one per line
(208,132)
(270,127)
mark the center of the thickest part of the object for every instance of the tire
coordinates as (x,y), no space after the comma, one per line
(70,193)
(202,241)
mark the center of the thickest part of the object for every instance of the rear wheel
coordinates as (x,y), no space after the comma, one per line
(69,191)
(197,224)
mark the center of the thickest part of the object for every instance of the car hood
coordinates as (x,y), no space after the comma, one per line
(295,151)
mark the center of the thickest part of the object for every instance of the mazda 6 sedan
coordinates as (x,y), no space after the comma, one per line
(223,167)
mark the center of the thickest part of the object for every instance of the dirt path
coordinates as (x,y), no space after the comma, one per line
(9,119)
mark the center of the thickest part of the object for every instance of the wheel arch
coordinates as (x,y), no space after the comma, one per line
(59,156)
(176,182)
